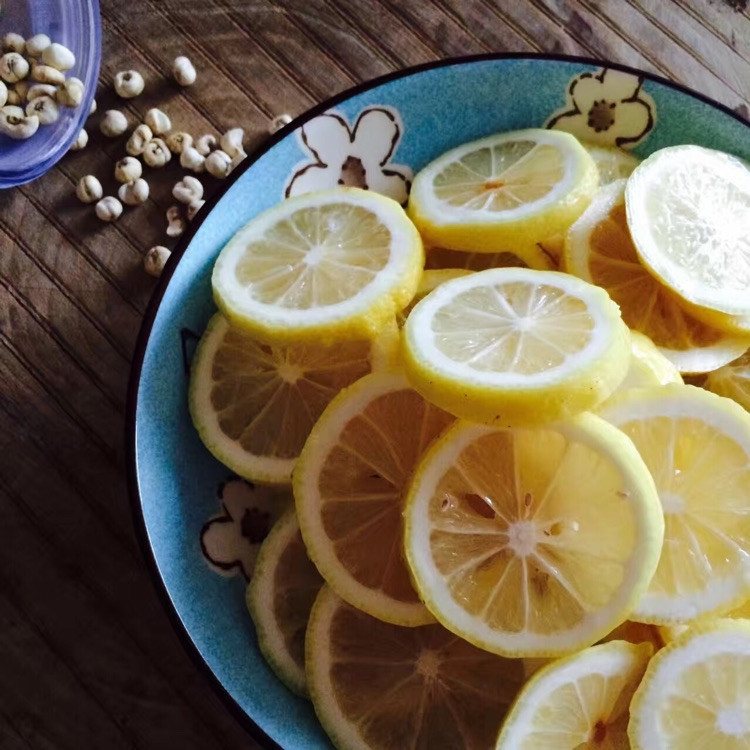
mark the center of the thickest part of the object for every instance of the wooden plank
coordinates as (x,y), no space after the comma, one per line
(242,57)
(57,314)
(69,246)
(36,685)
(76,621)
(729,25)
(594,37)
(690,34)
(662,51)
(64,379)
(371,22)
(438,31)
(487,25)
(538,28)
(93,537)
(10,735)
(329,30)
(85,547)
(311,68)
(146,51)
(66,452)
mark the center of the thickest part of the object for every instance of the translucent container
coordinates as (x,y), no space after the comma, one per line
(74,23)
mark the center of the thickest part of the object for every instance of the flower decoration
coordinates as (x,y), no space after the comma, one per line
(357,156)
(608,108)
(230,541)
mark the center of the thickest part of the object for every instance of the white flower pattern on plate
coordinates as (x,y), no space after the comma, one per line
(230,541)
(357,156)
(609,108)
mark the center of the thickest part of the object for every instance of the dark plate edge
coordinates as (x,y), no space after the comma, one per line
(153,306)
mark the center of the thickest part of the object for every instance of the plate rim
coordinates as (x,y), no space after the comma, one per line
(144,333)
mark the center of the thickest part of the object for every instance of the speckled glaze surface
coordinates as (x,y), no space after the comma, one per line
(201,526)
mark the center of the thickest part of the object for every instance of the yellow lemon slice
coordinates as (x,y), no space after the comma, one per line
(280,596)
(506,192)
(349,487)
(532,542)
(325,265)
(512,344)
(688,211)
(696,692)
(254,404)
(600,250)
(697,448)
(580,701)
(377,686)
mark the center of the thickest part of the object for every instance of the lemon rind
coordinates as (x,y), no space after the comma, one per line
(727,417)
(339,728)
(259,600)
(575,261)
(265,469)
(662,674)
(611,659)
(590,430)
(586,379)
(517,230)
(732,302)
(360,316)
(339,412)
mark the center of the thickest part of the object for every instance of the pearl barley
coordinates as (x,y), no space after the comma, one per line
(183,71)
(109,209)
(158,121)
(129,84)
(58,56)
(113,124)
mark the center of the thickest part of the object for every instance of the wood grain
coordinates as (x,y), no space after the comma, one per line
(89,658)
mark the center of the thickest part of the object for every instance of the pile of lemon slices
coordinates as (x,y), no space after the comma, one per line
(507,501)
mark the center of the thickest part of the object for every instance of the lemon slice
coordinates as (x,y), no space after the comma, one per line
(578,702)
(696,692)
(648,366)
(331,264)
(697,448)
(532,542)
(688,211)
(599,249)
(377,686)
(732,381)
(505,192)
(349,487)
(612,163)
(440,257)
(280,596)
(254,404)
(516,344)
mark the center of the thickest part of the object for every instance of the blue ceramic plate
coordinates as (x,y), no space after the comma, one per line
(200,526)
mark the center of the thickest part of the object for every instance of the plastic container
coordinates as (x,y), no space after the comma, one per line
(74,23)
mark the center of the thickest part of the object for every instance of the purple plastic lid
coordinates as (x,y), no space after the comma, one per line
(75,24)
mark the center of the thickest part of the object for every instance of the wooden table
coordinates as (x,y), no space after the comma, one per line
(87,656)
